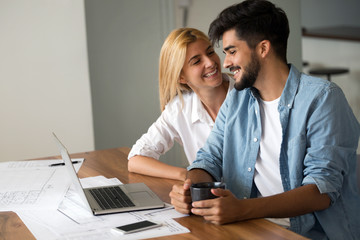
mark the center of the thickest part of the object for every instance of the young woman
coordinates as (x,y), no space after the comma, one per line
(192,89)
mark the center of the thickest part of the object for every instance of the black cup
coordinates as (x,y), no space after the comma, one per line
(202,191)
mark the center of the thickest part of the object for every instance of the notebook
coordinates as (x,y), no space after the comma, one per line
(111,199)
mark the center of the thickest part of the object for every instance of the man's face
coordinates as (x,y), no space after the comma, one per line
(240,60)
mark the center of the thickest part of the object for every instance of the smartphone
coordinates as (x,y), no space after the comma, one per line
(135,227)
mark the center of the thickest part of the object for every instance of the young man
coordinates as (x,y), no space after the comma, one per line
(285,143)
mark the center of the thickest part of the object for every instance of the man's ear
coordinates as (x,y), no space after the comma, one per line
(264,47)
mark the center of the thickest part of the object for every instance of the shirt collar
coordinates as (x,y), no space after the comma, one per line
(291,87)
(198,111)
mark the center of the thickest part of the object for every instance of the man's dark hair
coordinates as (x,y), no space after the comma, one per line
(254,21)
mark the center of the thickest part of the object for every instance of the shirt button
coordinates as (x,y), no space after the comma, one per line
(289,105)
(249,169)
(256,112)
(255,139)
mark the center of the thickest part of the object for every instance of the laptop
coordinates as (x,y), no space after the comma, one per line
(111,199)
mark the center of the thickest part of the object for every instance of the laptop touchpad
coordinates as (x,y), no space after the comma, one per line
(140,196)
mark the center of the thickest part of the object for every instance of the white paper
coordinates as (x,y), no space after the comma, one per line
(36,164)
(74,222)
(169,227)
(162,214)
(32,185)
(54,225)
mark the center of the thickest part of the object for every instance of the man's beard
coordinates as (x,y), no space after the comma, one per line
(250,74)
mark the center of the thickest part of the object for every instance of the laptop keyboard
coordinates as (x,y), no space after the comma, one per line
(111,197)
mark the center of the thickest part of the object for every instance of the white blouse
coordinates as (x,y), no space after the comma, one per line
(189,124)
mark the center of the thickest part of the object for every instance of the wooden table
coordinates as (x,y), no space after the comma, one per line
(113,163)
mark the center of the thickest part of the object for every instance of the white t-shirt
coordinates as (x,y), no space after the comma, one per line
(189,124)
(267,168)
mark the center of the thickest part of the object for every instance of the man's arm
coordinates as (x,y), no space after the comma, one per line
(227,208)
(199,175)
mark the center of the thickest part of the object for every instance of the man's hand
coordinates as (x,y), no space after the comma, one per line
(224,209)
(227,208)
(180,194)
(181,198)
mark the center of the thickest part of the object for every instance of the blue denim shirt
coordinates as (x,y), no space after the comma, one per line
(320,136)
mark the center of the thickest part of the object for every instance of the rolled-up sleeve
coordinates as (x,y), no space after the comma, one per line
(158,139)
(331,135)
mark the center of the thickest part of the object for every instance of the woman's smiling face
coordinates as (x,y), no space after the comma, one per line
(202,67)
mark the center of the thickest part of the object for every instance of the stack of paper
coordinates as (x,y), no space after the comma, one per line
(52,210)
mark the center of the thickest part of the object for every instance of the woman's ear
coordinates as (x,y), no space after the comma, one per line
(182,78)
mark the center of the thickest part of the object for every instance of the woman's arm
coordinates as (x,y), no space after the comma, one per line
(152,167)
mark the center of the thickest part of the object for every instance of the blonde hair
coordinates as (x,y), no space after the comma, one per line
(172,59)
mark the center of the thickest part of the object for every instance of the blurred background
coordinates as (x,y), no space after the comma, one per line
(88,70)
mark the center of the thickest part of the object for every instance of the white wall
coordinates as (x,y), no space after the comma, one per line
(44,80)
(124,39)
